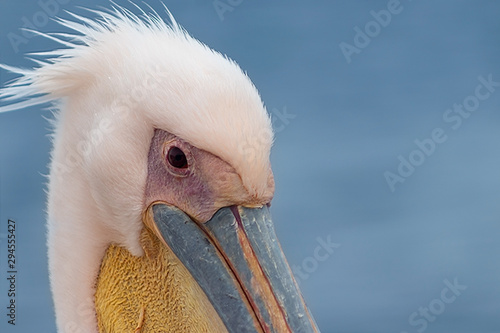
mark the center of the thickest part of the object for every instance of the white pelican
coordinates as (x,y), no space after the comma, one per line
(159,185)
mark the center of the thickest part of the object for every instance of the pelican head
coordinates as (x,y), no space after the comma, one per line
(160,183)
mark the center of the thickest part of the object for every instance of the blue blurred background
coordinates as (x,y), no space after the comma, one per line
(347,108)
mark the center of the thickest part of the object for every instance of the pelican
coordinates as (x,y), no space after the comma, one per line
(160,183)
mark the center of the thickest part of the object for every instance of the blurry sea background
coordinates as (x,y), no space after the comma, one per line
(356,96)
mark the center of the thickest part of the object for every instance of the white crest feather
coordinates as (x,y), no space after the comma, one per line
(116,79)
(98,48)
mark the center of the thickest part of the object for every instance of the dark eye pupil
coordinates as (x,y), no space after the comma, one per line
(176,158)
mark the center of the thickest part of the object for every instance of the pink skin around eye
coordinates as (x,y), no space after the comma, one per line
(206,185)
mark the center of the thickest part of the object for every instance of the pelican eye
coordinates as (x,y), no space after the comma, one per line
(177,158)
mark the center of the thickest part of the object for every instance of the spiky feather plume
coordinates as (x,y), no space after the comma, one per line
(114,80)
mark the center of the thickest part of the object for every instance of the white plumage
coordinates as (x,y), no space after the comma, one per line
(114,81)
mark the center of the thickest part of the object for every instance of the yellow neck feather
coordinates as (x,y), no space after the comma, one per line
(153,293)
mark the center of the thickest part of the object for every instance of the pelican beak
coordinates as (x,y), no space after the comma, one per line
(237,261)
